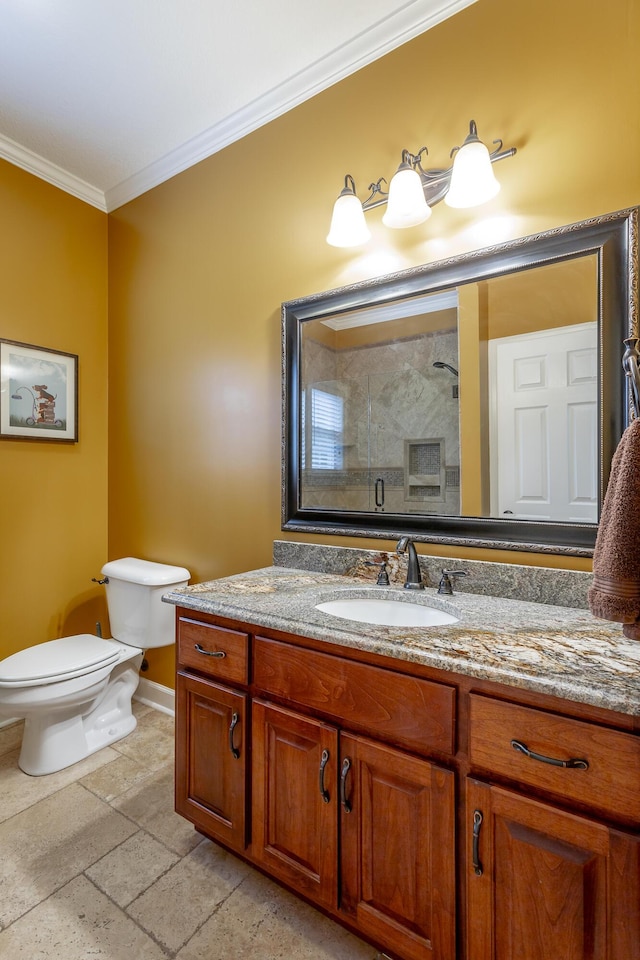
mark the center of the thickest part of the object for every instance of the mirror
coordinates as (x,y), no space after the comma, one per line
(474,401)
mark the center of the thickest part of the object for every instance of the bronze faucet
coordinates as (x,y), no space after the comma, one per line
(414,576)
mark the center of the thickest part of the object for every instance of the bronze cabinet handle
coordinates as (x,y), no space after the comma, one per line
(576,762)
(234,723)
(477,823)
(323,762)
(346,766)
(209,653)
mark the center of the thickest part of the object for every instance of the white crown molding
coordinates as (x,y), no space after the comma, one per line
(44,170)
(396,310)
(415,18)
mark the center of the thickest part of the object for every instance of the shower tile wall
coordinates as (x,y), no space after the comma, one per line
(396,385)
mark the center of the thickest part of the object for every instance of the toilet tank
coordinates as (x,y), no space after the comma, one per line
(137,614)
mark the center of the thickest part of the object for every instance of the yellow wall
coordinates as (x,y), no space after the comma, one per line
(53,496)
(200,265)
(556,295)
(474,413)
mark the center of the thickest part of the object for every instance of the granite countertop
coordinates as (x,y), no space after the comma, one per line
(556,650)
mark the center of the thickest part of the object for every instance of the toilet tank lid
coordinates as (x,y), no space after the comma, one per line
(54,658)
(145,571)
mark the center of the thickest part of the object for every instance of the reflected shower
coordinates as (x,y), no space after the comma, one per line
(445,366)
(440,365)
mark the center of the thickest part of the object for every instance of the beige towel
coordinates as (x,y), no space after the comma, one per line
(615,592)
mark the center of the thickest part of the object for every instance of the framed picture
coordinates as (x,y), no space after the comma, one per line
(38,393)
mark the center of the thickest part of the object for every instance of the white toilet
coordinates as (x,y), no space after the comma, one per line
(75,693)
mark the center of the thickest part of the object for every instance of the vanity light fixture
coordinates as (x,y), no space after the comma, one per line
(468,182)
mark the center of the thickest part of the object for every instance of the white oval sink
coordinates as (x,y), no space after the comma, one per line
(386,612)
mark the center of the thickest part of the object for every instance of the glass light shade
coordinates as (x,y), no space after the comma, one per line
(406,206)
(348,225)
(472,178)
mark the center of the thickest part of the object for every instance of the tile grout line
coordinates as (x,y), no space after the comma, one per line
(159,875)
(214,911)
(170,954)
(53,793)
(40,902)
(112,872)
(76,875)
(77,781)
(124,910)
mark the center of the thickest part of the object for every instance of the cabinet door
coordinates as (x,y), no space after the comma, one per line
(544,884)
(211,762)
(295,819)
(398,848)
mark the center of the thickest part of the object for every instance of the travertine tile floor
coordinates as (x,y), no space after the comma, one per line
(94,863)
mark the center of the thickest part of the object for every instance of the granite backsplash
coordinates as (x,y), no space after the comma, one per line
(565,588)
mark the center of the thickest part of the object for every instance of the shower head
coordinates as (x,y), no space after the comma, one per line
(445,366)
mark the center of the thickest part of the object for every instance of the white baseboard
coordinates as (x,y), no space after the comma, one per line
(157,696)
(7,723)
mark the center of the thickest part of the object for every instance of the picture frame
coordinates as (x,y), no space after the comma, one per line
(38,393)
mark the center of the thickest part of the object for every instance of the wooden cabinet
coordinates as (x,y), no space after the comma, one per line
(545,881)
(569,759)
(211,758)
(437,815)
(398,848)
(396,817)
(408,711)
(214,650)
(544,884)
(295,827)
(211,729)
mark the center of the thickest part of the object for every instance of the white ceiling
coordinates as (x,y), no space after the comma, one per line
(108,98)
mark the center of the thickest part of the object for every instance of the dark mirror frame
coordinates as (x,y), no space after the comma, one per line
(614,239)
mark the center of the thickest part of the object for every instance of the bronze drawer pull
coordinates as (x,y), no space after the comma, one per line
(234,723)
(210,653)
(323,762)
(574,762)
(346,766)
(477,823)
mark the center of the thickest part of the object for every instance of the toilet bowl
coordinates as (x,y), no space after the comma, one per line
(74,693)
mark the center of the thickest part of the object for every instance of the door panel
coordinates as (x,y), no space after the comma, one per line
(295,825)
(544,425)
(398,851)
(544,884)
(211,763)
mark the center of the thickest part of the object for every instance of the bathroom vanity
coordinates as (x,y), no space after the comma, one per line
(469,791)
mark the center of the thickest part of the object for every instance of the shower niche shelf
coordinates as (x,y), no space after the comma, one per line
(424,470)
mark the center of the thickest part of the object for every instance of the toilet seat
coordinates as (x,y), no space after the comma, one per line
(58,660)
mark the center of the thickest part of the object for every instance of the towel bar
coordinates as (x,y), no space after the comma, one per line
(630,362)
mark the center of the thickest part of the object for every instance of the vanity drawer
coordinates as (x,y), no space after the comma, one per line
(415,713)
(215,651)
(610,782)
